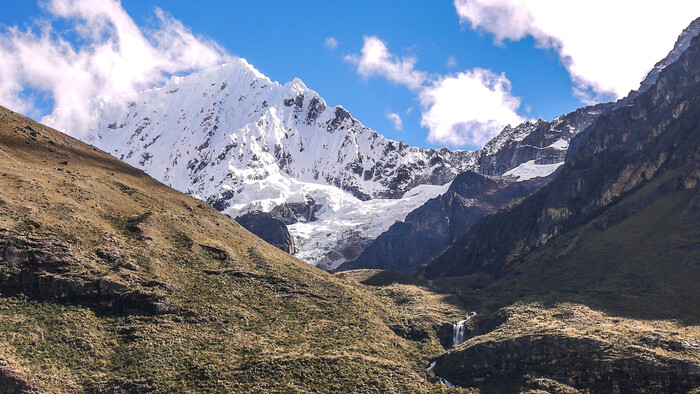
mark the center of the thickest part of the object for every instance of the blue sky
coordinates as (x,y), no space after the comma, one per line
(542,65)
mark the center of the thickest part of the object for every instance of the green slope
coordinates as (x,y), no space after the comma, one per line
(113,282)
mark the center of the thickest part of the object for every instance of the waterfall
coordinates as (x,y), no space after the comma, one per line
(458,330)
(445,383)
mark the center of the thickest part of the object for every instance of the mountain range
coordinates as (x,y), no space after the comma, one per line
(243,143)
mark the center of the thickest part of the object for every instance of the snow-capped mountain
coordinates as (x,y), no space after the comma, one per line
(234,138)
(535,148)
(217,132)
(682,43)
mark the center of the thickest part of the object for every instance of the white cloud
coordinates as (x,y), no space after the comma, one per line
(331,43)
(465,109)
(376,60)
(607,46)
(468,108)
(395,120)
(114,57)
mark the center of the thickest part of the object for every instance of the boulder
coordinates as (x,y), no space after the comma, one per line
(271,230)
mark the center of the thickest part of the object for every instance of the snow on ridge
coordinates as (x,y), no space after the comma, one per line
(510,134)
(682,43)
(529,170)
(560,144)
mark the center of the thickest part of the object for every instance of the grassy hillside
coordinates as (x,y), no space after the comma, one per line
(640,259)
(113,282)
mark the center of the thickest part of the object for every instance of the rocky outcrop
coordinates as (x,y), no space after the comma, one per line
(291,213)
(12,382)
(44,269)
(428,230)
(270,229)
(579,362)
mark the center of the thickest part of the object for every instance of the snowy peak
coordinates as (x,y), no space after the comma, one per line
(234,138)
(510,134)
(211,132)
(296,85)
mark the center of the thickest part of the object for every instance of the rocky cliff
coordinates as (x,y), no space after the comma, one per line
(652,137)
(580,363)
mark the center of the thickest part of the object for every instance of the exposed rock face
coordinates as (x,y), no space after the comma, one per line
(428,230)
(44,269)
(291,213)
(657,133)
(580,362)
(12,382)
(270,229)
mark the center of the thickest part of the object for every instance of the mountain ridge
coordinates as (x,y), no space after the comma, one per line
(643,143)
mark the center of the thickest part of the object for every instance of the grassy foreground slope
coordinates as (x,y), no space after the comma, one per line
(113,282)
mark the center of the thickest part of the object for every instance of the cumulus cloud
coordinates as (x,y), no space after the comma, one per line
(606,46)
(468,108)
(331,42)
(375,60)
(395,120)
(109,55)
(465,109)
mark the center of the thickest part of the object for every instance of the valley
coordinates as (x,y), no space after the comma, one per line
(227,233)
